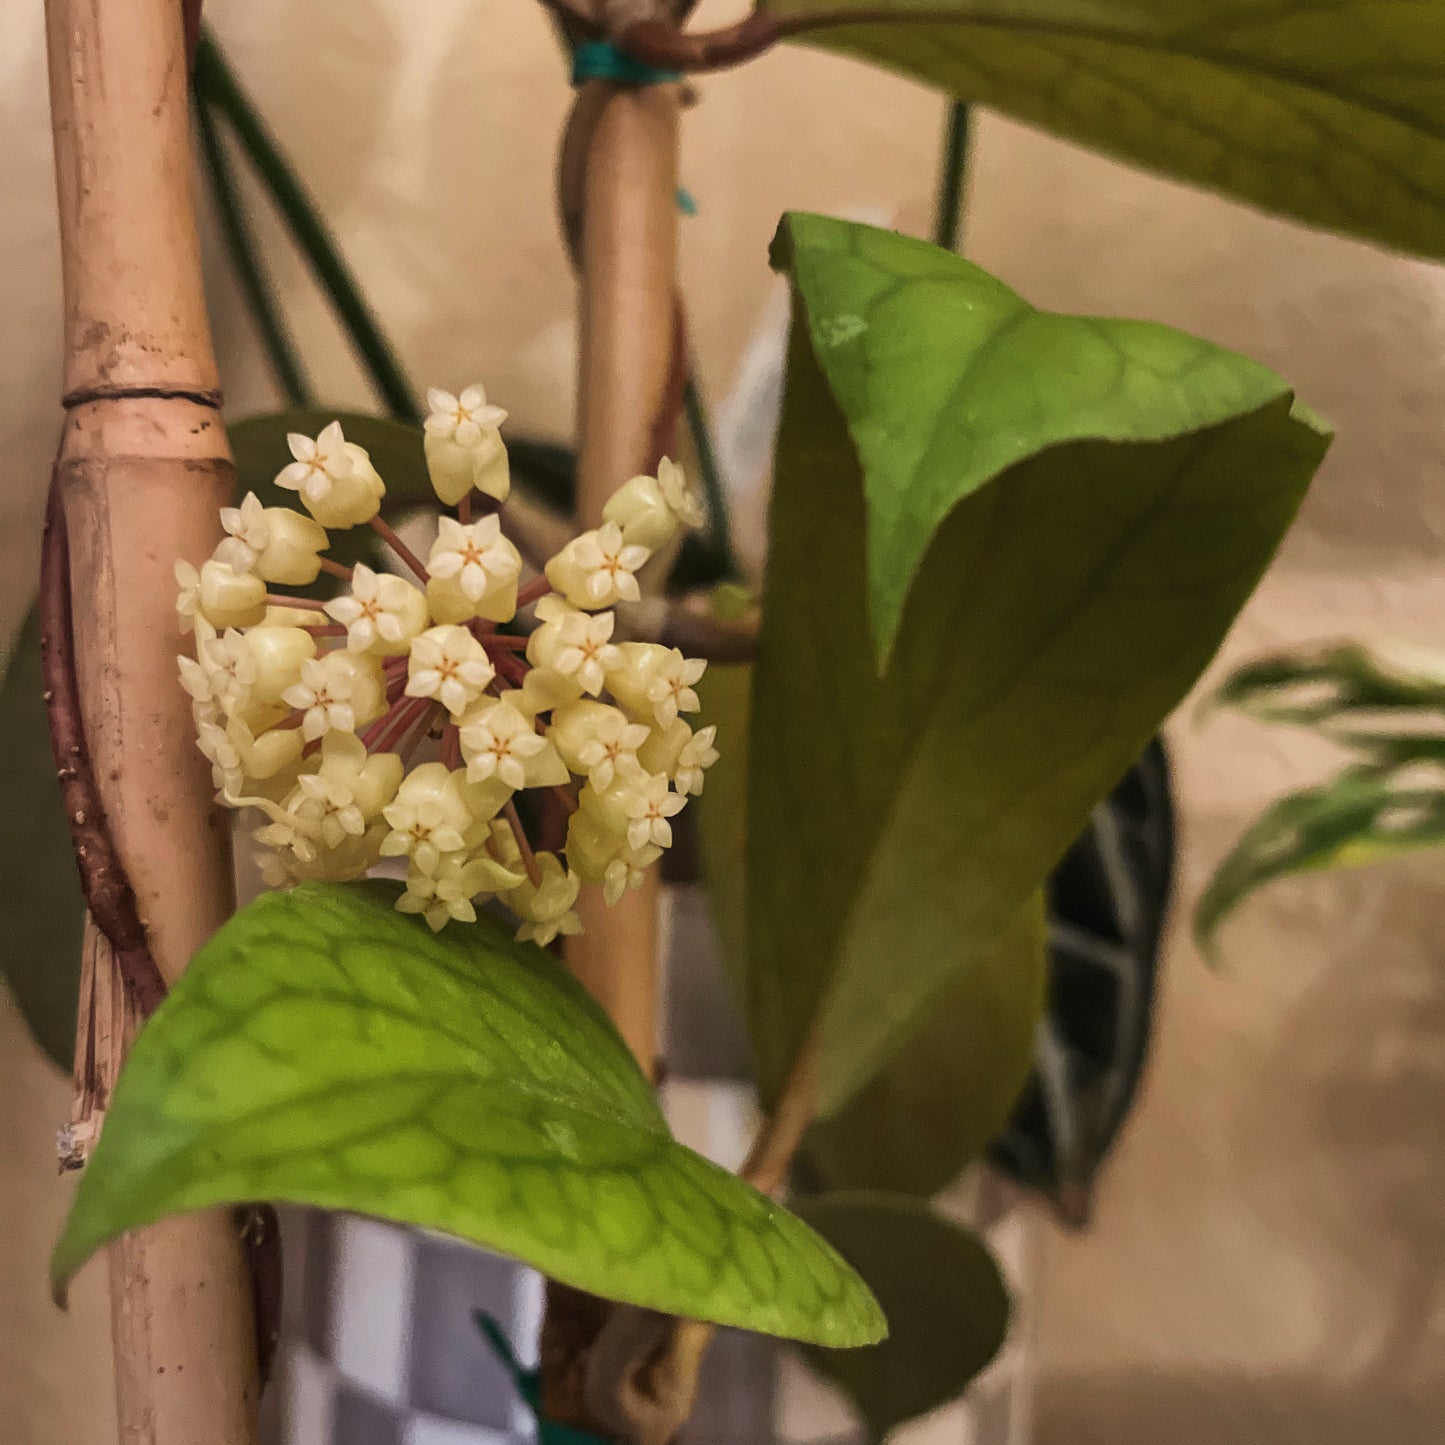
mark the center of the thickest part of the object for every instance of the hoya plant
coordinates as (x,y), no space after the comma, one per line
(1003,544)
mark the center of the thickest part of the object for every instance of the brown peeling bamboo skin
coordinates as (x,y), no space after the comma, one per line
(143,466)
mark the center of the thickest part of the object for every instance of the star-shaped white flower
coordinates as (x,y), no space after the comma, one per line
(462,419)
(649,805)
(449,664)
(545,908)
(496,742)
(585,650)
(478,556)
(230,665)
(681,501)
(319,464)
(608,565)
(324,695)
(428,817)
(188,594)
(627,871)
(612,742)
(381,613)
(697,755)
(671,689)
(248,533)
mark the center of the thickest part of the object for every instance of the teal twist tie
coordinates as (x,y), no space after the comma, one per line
(602,60)
(528,1384)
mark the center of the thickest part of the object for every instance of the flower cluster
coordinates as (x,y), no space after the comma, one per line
(406,717)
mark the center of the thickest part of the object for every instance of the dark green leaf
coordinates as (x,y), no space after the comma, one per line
(1331,111)
(722,810)
(947,1305)
(40,902)
(324,1049)
(948,1095)
(897,822)
(1364,815)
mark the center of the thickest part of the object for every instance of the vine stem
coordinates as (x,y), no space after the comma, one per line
(217,85)
(387,533)
(280,349)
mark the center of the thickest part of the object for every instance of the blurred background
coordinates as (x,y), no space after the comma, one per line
(1266,1261)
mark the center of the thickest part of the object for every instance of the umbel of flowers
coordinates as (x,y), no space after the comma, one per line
(409,716)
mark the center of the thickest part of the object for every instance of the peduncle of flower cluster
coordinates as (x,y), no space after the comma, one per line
(408,716)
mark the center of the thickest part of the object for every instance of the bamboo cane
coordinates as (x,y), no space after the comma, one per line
(628,281)
(143,465)
(628,273)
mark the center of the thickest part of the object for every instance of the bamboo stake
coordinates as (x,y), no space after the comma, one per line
(629,274)
(628,266)
(143,466)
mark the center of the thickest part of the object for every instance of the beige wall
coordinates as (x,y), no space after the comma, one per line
(1265,1261)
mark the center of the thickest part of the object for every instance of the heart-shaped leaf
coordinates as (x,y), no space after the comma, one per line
(1063,607)
(1331,111)
(947,1304)
(40,902)
(324,1049)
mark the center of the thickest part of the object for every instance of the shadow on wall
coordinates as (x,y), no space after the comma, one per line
(1373,1097)
(1213,1410)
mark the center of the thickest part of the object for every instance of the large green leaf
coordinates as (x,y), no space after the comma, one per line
(946,377)
(40,904)
(324,1049)
(896,822)
(947,1305)
(950,1092)
(1365,815)
(1331,111)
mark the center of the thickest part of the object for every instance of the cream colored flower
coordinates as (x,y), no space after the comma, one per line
(334,478)
(464,447)
(650,509)
(275,543)
(449,664)
(381,613)
(349,790)
(428,817)
(595,739)
(649,805)
(545,908)
(498,741)
(597,569)
(339,691)
(221,595)
(478,557)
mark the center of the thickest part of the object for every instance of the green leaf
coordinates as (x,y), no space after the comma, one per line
(40,902)
(950,1093)
(1331,111)
(1064,606)
(947,1305)
(1326,687)
(324,1049)
(722,810)
(947,377)
(1364,815)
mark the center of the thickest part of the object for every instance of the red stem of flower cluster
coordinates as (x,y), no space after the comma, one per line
(387,533)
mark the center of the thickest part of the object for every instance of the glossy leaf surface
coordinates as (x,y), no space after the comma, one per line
(324,1049)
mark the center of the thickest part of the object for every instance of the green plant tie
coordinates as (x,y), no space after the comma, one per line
(529,1386)
(602,60)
